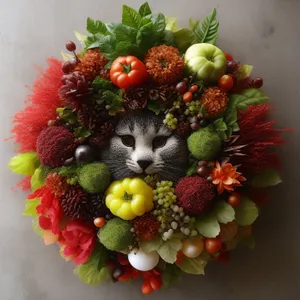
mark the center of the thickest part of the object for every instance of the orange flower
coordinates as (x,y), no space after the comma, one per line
(226,177)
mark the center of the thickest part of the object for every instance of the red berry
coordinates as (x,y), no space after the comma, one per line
(203,171)
(70,46)
(234,199)
(187,97)
(156,283)
(194,88)
(213,245)
(257,82)
(146,288)
(67,67)
(225,83)
(181,87)
(231,66)
(228,56)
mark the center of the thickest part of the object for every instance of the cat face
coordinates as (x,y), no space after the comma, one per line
(142,144)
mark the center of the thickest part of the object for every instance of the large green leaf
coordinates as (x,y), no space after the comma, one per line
(243,72)
(268,177)
(193,265)
(96,27)
(131,17)
(145,10)
(207,31)
(224,212)
(170,274)
(208,226)
(152,245)
(81,38)
(30,207)
(168,250)
(94,271)
(24,163)
(246,213)
(183,38)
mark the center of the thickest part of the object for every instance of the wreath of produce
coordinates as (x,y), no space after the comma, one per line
(147,152)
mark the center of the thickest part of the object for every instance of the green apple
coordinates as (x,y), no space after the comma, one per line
(205,61)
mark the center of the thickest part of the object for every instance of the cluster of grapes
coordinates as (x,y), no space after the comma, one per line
(171,216)
(171,121)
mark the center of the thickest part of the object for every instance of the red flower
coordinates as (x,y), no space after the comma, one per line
(41,107)
(78,241)
(49,210)
(226,177)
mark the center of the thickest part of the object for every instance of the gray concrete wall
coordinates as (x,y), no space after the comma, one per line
(264,33)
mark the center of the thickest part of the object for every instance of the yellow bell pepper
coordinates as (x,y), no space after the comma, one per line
(129,198)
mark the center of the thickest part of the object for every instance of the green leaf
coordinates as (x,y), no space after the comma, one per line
(168,250)
(152,245)
(94,271)
(66,56)
(207,31)
(30,207)
(183,38)
(81,38)
(156,106)
(220,127)
(81,132)
(38,178)
(168,38)
(170,274)
(36,227)
(24,163)
(243,72)
(67,114)
(171,23)
(192,168)
(268,177)
(159,23)
(96,27)
(112,99)
(208,226)
(122,33)
(246,213)
(224,212)
(193,265)
(145,10)
(68,171)
(101,83)
(130,17)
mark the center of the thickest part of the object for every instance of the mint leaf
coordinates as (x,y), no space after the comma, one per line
(168,250)
(94,271)
(243,72)
(152,245)
(170,274)
(36,227)
(30,207)
(268,177)
(224,212)
(193,265)
(122,32)
(171,23)
(156,106)
(24,163)
(131,17)
(101,83)
(145,10)
(81,132)
(208,226)
(192,168)
(94,27)
(246,213)
(159,23)
(207,31)
(112,99)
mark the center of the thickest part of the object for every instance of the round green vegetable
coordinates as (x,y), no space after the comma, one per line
(94,177)
(116,235)
(205,61)
(204,144)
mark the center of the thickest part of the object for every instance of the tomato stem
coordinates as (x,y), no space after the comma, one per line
(126,68)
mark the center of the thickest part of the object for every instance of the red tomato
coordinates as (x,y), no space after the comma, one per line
(99,222)
(234,199)
(187,97)
(213,245)
(228,56)
(127,71)
(156,283)
(146,288)
(194,88)
(225,82)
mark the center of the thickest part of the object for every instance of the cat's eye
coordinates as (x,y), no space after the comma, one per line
(159,141)
(128,140)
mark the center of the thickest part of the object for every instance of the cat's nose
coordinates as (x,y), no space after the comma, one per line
(144,163)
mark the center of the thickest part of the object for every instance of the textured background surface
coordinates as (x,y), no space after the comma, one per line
(262,33)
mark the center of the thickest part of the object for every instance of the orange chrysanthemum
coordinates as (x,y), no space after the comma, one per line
(226,177)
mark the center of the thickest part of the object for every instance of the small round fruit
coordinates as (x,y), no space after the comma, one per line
(228,231)
(203,123)
(155,282)
(231,66)
(181,87)
(192,248)
(70,46)
(195,126)
(194,88)
(234,199)
(84,154)
(143,261)
(258,82)
(225,83)
(99,222)
(202,163)
(67,67)
(146,287)
(203,171)
(228,56)
(187,97)
(213,245)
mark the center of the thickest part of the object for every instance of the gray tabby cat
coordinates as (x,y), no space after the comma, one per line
(142,144)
